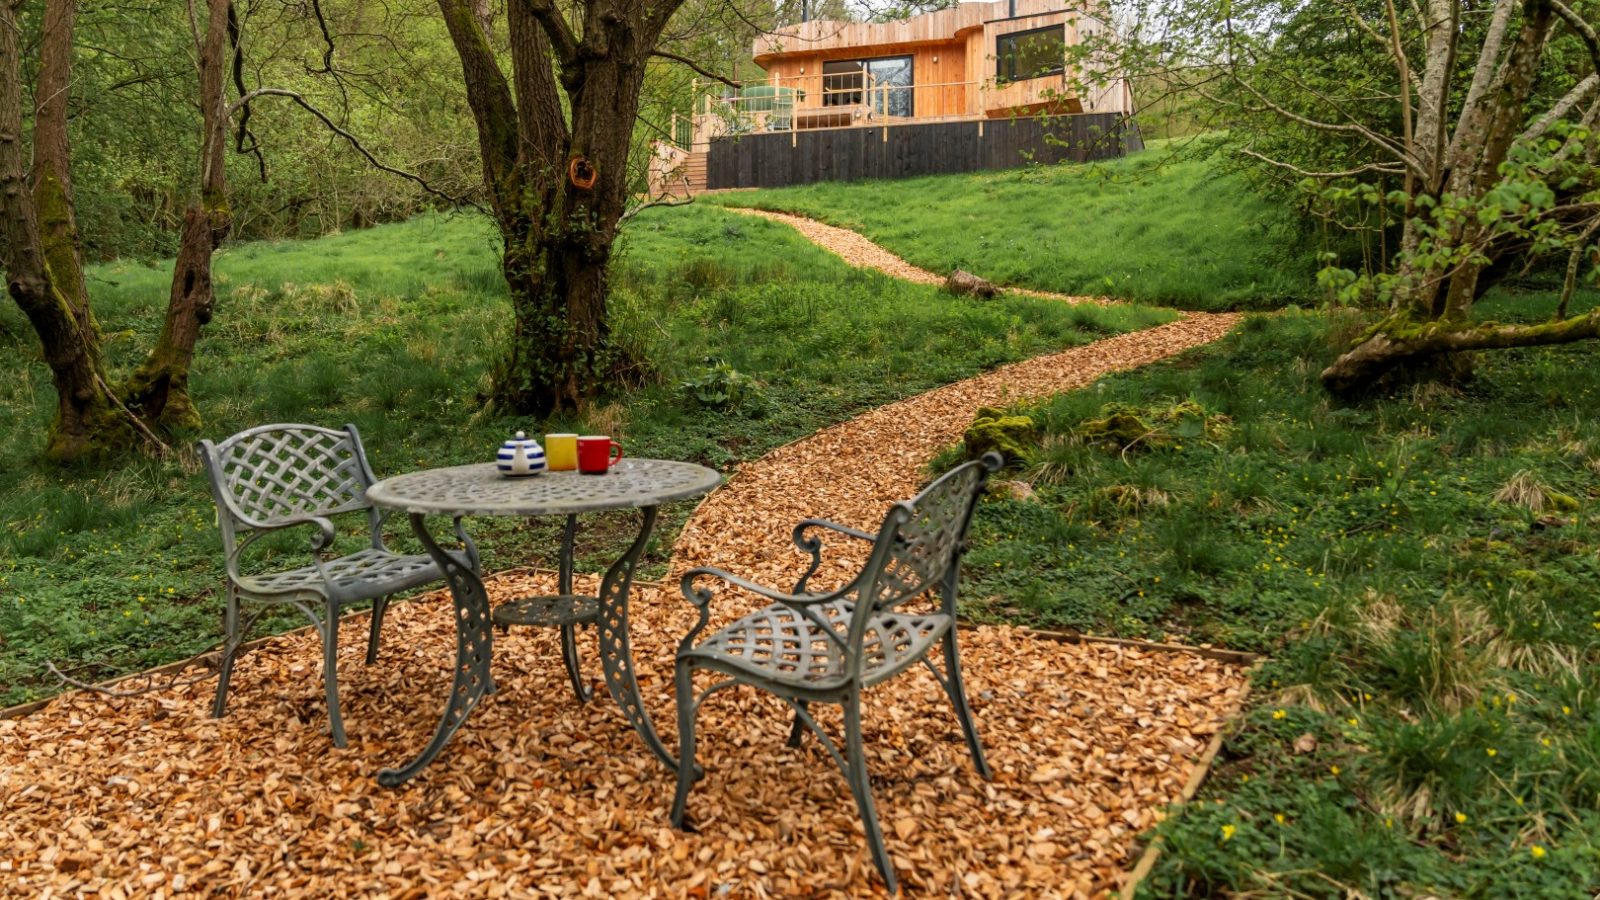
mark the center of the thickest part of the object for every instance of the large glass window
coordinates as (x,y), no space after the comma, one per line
(878,82)
(1031,54)
(891,85)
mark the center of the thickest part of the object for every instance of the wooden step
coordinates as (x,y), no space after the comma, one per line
(694,172)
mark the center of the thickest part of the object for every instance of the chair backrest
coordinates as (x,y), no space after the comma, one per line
(920,546)
(276,472)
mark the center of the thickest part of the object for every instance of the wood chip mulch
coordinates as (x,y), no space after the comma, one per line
(541,796)
(862,253)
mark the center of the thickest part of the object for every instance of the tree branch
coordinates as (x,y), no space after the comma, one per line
(555,26)
(1583,28)
(244,103)
(1358,170)
(1381,351)
(1579,93)
(1347,128)
(695,66)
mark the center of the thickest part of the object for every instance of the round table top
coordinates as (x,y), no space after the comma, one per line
(480,489)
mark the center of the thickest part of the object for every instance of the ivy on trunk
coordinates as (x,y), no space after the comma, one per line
(555,138)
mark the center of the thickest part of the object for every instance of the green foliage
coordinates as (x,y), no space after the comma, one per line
(1152,228)
(720,386)
(391,328)
(1426,722)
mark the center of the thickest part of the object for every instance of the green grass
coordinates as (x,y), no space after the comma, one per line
(1435,636)
(116,568)
(1150,228)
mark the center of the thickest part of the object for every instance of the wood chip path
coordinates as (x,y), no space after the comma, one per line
(539,796)
(860,252)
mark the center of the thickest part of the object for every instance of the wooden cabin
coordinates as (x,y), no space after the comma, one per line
(974,62)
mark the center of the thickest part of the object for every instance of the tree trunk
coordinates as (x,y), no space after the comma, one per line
(558,191)
(87,420)
(1398,342)
(1430,326)
(52,170)
(159,389)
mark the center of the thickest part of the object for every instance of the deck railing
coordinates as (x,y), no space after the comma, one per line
(804,102)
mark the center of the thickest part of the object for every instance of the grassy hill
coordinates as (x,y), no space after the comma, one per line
(118,568)
(1151,228)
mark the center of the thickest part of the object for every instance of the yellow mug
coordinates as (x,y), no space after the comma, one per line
(561,452)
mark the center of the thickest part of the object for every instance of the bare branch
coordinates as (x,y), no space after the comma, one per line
(1346,173)
(1579,93)
(1344,127)
(244,102)
(695,66)
(1391,44)
(1583,28)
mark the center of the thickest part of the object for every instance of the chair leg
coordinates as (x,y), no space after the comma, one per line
(856,757)
(683,676)
(379,607)
(330,674)
(957,692)
(798,730)
(569,655)
(230,648)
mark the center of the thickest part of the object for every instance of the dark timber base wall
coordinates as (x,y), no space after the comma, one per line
(902,151)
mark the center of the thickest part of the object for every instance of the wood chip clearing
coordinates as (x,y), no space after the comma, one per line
(862,253)
(539,795)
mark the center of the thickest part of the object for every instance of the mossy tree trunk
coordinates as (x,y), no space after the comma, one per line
(42,252)
(1430,330)
(159,389)
(555,139)
(39,243)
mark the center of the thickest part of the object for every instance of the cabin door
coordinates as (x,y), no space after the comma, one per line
(892,81)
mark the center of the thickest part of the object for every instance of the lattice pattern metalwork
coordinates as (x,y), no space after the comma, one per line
(827,647)
(571,609)
(363,571)
(472,677)
(279,472)
(286,476)
(925,543)
(783,645)
(480,490)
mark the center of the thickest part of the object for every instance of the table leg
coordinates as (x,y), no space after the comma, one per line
(569,633)
(474,651)
(616,652)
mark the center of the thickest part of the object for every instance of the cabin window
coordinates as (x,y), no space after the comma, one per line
(1031,54)
(842,81)
(881,83)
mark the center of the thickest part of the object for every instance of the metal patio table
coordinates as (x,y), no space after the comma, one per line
(480,490)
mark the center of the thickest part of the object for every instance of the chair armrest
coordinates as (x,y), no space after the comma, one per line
(701,597)
(321,539)
(813,545)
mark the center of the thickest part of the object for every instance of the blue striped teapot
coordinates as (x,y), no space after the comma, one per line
(520,456)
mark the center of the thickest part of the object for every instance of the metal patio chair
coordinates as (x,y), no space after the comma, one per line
(275,477)
(827,647)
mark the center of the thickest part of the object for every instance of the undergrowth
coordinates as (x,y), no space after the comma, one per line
(1419,571)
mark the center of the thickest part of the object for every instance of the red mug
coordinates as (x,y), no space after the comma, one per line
(597,453)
